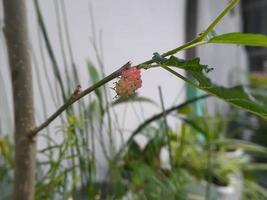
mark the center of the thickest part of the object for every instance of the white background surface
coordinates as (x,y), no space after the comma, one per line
(129,30)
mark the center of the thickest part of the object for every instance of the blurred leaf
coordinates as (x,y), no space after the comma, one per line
(246,39)
(258,87)
(236,96)
(94,77)
(192,65)
(253,190)
(133,99)
(93,74)
(150,132)
(262,97)
(185,110)
(247,146)
(134,148)
(256,167)
(258,80)
(92,110)
(6,150)
(49,49)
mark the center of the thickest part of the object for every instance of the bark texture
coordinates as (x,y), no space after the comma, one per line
(21,73)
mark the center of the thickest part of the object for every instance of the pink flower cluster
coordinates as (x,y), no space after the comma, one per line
(130,81)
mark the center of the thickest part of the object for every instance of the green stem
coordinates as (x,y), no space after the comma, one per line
(218,19)
(209,171)
(180,76)
(75,98)
(188,45)
(191,44)
(166,126)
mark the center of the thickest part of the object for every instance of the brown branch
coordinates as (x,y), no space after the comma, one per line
(73,98)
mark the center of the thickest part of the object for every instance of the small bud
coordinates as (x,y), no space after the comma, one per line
(77,90)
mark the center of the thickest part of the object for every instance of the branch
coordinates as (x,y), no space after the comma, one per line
(75,97)
(193,43)
(115,74)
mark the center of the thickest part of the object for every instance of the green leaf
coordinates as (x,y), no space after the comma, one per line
(93,74)
(256,167)
(94,77)
(246,39)
(236,96)
(133,99)
(192,65)
(185,110)
(241,144)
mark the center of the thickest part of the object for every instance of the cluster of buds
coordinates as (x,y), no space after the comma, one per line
(129,82)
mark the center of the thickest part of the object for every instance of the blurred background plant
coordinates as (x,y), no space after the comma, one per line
(185,160)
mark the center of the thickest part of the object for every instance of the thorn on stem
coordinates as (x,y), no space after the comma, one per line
(77,91)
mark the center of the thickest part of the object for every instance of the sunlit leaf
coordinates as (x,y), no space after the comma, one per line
(246,39)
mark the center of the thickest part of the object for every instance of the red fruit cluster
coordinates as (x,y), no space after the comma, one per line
(130,81)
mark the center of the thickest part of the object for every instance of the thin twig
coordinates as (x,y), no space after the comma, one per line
(113,75)
(166,126)
(100,83)
(75,98)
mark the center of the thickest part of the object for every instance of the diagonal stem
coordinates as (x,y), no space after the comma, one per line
(75,98)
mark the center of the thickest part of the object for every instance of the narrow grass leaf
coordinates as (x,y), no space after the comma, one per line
(246,39)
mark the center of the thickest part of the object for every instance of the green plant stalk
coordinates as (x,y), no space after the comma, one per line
(256,167)
(218,19)
(185,46)
(110,138)
(75,98)
(68,39)
(52,172)
(201,38)
(44,66)
(166,126)
(42,94)
(69,86)
(61,42)
(49,48)
(209,171)
(181,145)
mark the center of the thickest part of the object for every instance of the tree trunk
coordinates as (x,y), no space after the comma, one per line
(20,66)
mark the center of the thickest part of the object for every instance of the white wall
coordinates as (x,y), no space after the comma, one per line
(130,30)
